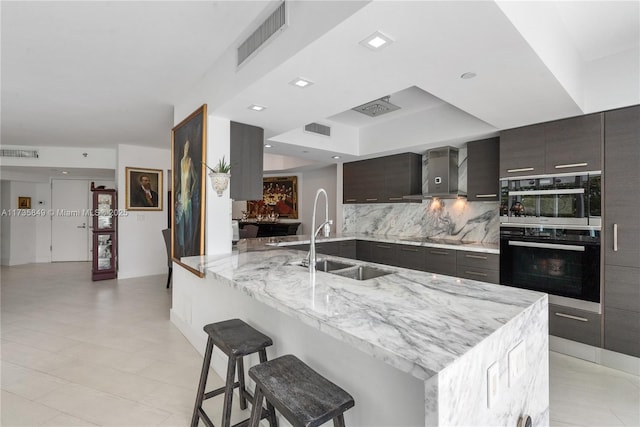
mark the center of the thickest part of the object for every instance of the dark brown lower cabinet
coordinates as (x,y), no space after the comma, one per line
(574,324)
(413,257)
(347,249)
(441,261)
(480,266)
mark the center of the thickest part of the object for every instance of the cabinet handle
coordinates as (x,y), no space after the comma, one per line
(568,316)
(383,247)
(475,273)
(439,252)
(351,200)
(483,196)
(395,198)
(408,249)
(475,256)
(571,165)
(372,200)
(615,237)
(520,170)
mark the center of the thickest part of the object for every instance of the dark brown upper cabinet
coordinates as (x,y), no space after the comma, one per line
(246,148)
(561,146)
(573,145)
(483,164)
(382,179)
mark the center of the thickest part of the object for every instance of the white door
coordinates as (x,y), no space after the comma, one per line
(70,224)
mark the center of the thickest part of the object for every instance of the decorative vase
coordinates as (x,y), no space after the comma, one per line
(219,182)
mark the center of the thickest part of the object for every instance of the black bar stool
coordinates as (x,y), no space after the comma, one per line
(304,397)
(236,339)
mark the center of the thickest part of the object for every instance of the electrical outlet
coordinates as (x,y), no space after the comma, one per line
(493,384)
(517,362)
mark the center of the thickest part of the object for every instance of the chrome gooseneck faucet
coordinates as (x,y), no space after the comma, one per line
(326,226)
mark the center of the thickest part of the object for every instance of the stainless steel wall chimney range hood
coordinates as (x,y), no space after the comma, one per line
(442,175)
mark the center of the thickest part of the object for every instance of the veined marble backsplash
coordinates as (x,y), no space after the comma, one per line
(446,219)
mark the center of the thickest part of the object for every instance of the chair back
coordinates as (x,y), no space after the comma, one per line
(166,234)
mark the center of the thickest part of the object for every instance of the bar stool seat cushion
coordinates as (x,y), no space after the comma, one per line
(234,337)
(300,394)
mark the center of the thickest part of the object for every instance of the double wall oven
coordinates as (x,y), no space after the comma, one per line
(550,237)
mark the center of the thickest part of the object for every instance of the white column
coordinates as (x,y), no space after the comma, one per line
(218,209)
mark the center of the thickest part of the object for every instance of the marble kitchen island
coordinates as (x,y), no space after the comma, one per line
(413,348)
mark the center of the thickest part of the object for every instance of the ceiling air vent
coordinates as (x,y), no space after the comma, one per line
(274,23)
(377,108)
(19,153)
(318,129)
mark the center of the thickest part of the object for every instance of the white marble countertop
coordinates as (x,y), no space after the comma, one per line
(417,322)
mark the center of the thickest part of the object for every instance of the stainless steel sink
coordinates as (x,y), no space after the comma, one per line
(361,272)
(329,265)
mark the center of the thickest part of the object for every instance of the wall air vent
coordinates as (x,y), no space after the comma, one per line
(377,108)
(33,154)
(318,129)
(275,22)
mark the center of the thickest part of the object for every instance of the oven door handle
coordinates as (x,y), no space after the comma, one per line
(547,246)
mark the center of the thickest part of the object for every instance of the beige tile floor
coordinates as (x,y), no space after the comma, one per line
(81,353)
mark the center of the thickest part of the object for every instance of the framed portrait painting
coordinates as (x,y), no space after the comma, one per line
(24,202)
(188,187)
(143,189)
(279,196)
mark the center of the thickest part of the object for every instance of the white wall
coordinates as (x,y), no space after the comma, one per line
(5,222)
(18,247)
(42,223)
(141,249)
(64,157)
(218,209)
(308,183)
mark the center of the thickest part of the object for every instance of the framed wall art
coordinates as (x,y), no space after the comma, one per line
(279,196)
(143,189)
(24,202)
(188,187)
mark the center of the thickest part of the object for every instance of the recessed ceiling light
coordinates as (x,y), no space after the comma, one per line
(300,82)
(467,76)
(377,41)
(268,145)
(256,107)
(335,157)
(65,172)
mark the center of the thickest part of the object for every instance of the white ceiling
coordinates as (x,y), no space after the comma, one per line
(105,73)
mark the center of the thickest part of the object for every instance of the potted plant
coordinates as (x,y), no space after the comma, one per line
(219,175)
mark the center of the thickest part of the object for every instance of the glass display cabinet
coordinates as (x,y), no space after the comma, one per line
(105,235)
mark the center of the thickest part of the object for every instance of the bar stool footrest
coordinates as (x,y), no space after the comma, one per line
(218,391)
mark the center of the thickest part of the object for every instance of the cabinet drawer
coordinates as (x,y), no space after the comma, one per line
(412,257)
(621,331)
(574,324)
(347,249)
(477,273)
(441,261)
(384,253)
(479,260)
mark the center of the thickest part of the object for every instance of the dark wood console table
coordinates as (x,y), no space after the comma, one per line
(268,229)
